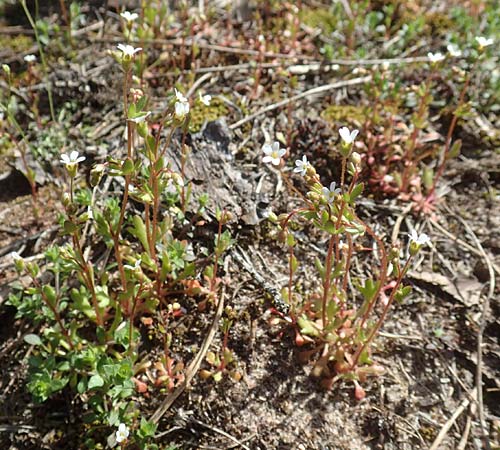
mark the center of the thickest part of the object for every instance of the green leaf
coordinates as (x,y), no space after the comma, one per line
(146,428)
(139,231)
(128,167)
(95,381)
(33,339)
(358,189)
(329,227)
(69,227)
(131,111)
(369,289)
(50,294)
(402,293)
(217,376)
(455,149)
(307,327)
(141,103)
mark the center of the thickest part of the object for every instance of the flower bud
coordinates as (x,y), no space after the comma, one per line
(356,158)
(345,149)
(142,129)
(66,199)
(394,253)
(96,174)
(18,261)
(314,197)
(414,248)
(71,168)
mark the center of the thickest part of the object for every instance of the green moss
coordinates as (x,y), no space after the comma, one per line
(201,113)
(344,114)
(438,23)
(320,18)
(17,44)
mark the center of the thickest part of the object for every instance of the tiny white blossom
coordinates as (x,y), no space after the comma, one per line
(205,99)
(128,50)
(343,246)
(181,110)
(453,50)
(140,118)
(302,166)
(122,433)
(90,213)
(136,266)
(30,58)
(419,239)
(435,57)
(71,159)
(180,96)
(331,192)
(347,136)
(484,42)
(129,17)
(16,256)
(273,153)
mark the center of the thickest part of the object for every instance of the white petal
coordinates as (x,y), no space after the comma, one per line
(345,134)
(180,96)
(354,133)
(267,149)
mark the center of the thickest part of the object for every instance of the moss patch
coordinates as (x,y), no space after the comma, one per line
(17,44)
(335,114)
(321,18)
(201,113)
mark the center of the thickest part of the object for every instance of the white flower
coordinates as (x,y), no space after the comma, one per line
(419,240)
(136,266)
(484,42)
(348,136)
(330,193)
(71,159)
(181,105)
(122,433)
(16,256)
(180,96)
(90,213)
(128,16)
(30,58)
(435,57)
(273,154)
(181,110)
(453,50)
(205,99)
(128,50)
(343,246)
(302,166)
(140,118)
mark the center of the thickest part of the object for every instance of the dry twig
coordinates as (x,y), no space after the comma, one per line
(195,364)
(316,90)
